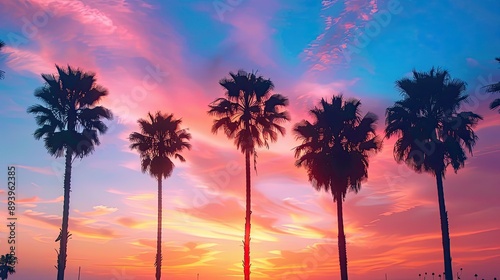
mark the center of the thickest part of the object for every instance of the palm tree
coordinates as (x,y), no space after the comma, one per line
(251,115)
(69,122)
(160,139)
(432,133)
(7,265)
(335,150)
(2,44)
(494,88)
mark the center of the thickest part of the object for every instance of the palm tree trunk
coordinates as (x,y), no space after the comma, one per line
(246,243)
(158,237)
(63,244)
(445,234)
(341,239)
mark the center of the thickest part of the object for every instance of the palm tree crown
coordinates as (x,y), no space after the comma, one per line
(7,265)
(432,133)
(248,112)
(336,146)
(70,118)
(160,139)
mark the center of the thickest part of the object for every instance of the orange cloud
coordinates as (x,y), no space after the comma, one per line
(133,223)
(80,227)
(99,210)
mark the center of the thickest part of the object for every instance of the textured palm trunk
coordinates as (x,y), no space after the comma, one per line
(158,237)
(445,234)
(341,239)
(246,245)
(63,244)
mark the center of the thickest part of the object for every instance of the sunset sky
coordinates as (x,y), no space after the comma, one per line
(169,56)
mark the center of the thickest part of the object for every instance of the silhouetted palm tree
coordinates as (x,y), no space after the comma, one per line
(160,139)
(494,88)
(2,44)
(431,133)
(251,115)
(69,122)
(7,265)
(335,150)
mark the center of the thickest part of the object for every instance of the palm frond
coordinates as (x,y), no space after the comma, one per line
(336,145)
(69,117)
(495,104)
(428,124)
(249,113)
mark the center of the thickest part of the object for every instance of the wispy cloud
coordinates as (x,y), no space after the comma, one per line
(80,226)
(352,28)
(40,170)
(98,210)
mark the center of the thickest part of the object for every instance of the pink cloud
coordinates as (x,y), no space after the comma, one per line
(99,210)
(23,60)
(79,226)
(349,25)
(105,32)
(471,62)
(41,170)
(253,39)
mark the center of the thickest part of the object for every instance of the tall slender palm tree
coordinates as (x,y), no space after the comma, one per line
(494,88)
(69,122)
(160,139)
(335,150)
(432,133)
(2,44)
(7,265)
(252,115)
